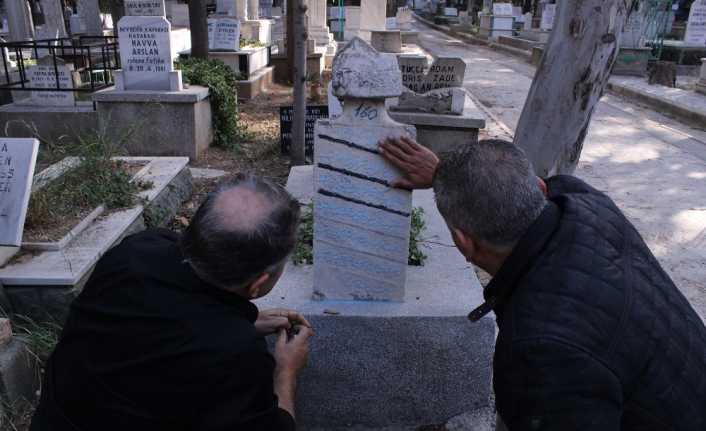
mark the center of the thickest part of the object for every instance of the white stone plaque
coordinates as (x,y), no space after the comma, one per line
(145,52)
(450,11)
(696,26)
(445,72)
(223,34)
(502,8)
(145,8)
(44,75)
(548,17)
(17,160)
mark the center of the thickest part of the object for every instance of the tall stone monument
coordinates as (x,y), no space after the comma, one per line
(54,26)
(19,20)
(90,15)
(361,226)
(145,49)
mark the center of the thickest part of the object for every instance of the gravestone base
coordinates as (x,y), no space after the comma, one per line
(379,364)
(256,84)
(162,123)
(315,65)
(52,123)
(175,81)
(441,133)
(632,61)
(42,286)
(410,37)
(246,62)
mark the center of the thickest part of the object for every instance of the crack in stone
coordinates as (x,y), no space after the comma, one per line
(348,144)
(353,174)
(360,202)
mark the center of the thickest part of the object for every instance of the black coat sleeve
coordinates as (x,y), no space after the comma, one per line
(550,386)
(243,398)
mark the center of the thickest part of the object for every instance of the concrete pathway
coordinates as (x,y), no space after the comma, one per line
(652,166)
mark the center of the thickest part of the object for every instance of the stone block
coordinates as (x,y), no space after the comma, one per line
(245,62)
(19,374)
(160,123)
(361,72)
(450,101)
(387,41)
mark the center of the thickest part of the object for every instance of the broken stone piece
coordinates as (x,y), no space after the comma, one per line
(360,72)
(445,101)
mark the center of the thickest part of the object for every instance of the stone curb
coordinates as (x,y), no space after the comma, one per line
(666,107)
(679,112)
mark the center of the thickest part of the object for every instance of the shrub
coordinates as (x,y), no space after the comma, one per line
(221,82)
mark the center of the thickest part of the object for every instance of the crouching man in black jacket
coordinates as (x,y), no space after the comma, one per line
(164,336)
(593,334)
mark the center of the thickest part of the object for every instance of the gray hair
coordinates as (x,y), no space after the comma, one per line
(230,253)
(489,190)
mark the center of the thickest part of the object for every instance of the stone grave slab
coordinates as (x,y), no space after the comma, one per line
(145,52)
(17,160)
(145,8)
(445,72)
(361,225)
(44,75)
(223,34)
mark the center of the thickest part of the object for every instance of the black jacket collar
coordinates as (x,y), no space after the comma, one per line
(518,263)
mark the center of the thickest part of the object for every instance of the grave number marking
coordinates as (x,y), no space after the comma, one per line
(366,112)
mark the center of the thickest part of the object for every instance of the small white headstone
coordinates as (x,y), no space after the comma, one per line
(145,8)
(450,11)
(548,17)
(696,26)
(502,9)
(44,75)
(391,23)
(17,160)
(223,34)
(145,52)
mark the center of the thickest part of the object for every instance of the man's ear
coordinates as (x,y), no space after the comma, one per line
(253,291)
(543,186)
(464,243)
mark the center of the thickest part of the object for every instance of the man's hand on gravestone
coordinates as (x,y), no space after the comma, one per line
(271,321)
(417,163)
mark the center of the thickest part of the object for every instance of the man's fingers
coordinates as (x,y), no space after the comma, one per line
(298,318)
(304,333)
(407,145)
(281,338)
(395,155)
(402,184)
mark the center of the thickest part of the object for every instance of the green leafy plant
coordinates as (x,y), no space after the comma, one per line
(304,249)
(250,43)
(416,255)
(221,82)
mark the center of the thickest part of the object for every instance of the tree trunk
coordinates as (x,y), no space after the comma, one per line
(569,81)
(199,28)
(117,11)
(298,149)
(291,35)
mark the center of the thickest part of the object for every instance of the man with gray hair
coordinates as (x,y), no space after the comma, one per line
(164,335)
(593,334)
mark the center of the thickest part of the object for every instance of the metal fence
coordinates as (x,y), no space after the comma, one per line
(93,58)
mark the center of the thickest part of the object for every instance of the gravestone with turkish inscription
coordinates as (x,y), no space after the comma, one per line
(145,8)
(696,25)
(49,75)
(361,224)
(17,160)
(223,34)
(286,121)
(445,72)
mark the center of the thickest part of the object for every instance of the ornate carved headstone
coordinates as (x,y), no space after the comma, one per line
(445,72)
(361,224)
(223,34)
(17,160)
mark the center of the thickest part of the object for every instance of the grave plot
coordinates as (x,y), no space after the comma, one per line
(372,312)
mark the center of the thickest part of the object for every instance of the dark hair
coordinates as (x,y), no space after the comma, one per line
(490,190)
(230,258)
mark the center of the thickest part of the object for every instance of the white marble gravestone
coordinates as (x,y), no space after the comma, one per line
(44,75)
(223,34)
(145,53)
(361,224)
(145,8)
(17,160)
(445,72)
(502,9)
(548,13)
(696,26)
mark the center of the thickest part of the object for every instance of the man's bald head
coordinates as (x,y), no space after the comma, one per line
(245,228)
